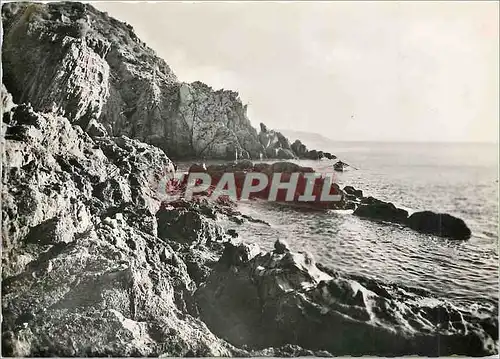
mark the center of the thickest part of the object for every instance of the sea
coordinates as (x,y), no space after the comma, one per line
(456,178)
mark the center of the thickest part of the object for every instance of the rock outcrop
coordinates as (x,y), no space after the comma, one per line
(426,222)
(297,303)
(76,61)
(302,152)
(275,144)
(356,193)
(95,263)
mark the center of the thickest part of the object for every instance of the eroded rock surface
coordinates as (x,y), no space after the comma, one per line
(297,303)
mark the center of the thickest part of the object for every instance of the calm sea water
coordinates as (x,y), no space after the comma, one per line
(460,179)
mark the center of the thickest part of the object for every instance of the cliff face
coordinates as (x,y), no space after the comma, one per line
(89,67)
(48,61)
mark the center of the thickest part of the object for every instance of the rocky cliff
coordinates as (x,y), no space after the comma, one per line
(94,70)
(95,264)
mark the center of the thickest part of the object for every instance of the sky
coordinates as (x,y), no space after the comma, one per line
(353,71)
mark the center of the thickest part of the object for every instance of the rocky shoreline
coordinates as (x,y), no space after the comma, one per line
(94,263)
(427,222)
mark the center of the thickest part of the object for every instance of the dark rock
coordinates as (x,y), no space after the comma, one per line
(329,156)
(439,224)
(299,148)
(353,191)
(382,211)
(236,255)
(280,247)
(312,155)
(301,305)
(282,154)
(370,200)
(187,225)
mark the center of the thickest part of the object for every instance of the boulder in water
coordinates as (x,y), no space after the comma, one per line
(382,211)
(439,224)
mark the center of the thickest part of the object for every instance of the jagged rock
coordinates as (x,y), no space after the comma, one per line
(440,224)
(281,247)
(96,129)
(125,302)
(72,79)
(299,304)
(299,148)
(275,144)
(302,152)
(382,211)
(314,155)
(353,191)
(282,154)
(187,224)
(90,267)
